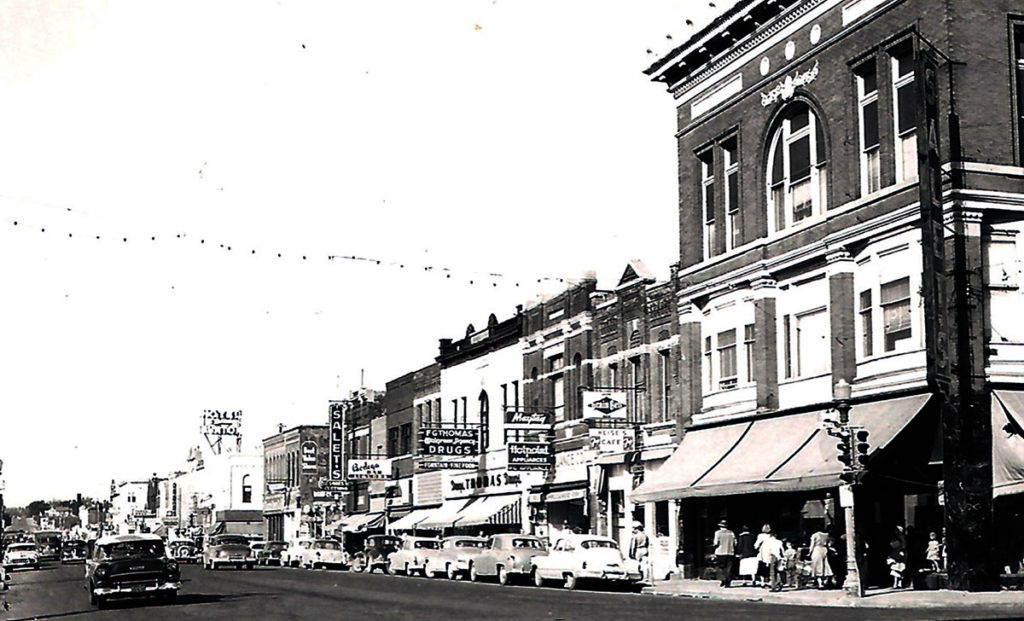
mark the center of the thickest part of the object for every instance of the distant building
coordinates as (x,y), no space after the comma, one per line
(294,463)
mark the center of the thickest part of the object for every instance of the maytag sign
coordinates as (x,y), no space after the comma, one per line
(604,404)
(369,469)
(519,418)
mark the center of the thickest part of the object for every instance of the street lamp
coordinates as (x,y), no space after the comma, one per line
(852,471)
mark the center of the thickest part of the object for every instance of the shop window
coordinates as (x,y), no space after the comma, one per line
(867,96)
(797,187)
(895,303)
(727,359)
(905,113)
(732,197)
(1003,267)
(707,198)
(867,332)
(748,350)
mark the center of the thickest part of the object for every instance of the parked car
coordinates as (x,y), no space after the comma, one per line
(324,553)
(455,556)
(230,550)
(507,557)
(183,550)
(411,557)
(73,551)
(292,555)
(585,557)
(130,566)
(270,552)
(375,554)
(20,555)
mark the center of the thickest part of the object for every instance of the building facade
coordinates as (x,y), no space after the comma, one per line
(294,463)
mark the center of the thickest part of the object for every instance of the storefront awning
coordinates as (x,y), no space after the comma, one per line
(504,509)
(359,522)
(786,453)
(445,515)
(411,520)
(1007,442)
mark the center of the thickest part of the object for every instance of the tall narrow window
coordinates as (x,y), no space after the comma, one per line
(558,396)
(727,359)
(867,94)
(406,445)
(665,379)
(867,331)
(905,109)
(455,412)
(1018,62)
(797,188)
(787,346)
(485,420)
(707,182)
(895,303)
(708,369)
(748,350)
(613,374)
(246,489)
(515,394)
(637,383)
(732,198)
(465,415)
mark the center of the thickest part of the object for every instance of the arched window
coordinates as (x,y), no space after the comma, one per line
(796,176)
(246,489)
(485,415)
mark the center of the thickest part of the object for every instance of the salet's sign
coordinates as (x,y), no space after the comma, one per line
(369,469)
(604,404)
(336,443)
(460,442)
(529,456)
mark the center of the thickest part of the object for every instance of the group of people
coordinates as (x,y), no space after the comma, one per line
(769,561)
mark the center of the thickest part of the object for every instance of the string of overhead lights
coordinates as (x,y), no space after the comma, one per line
(470,278)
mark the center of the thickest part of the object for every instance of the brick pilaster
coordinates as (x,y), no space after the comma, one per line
(766,360)
(841,315)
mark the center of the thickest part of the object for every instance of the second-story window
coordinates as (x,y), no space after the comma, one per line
(393,442)
(867,96)
(708,369)
(867,332)
(797,188)
(748,350)
(405,448)
(707,193)
(895,303)
(732,196)
(727,359)
(905,113)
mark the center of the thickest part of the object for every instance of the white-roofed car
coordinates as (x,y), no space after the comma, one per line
(323,554)
(412,556)
(130,566)
(232,550)
(19,555)
(292,555)
(585,557)
(508,556)
(456,556)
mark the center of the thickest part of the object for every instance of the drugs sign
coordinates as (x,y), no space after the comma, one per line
(461,442)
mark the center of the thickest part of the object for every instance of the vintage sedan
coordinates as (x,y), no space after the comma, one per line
(128,566)
(323,554)
(269,553)
(508,557)
(412,556)
(292,555)
(375,554)
(585,557)
(183,550)
(73,551)
(230,550)
(455,557)
(19,555)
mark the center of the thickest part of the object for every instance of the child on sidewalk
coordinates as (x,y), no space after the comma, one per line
(789,556)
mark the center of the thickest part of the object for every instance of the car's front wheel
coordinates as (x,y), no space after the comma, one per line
(473,575)
(451,572)
(537,579)
(570,581)
(503,577)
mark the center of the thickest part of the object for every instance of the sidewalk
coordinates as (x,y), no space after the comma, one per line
(874,598)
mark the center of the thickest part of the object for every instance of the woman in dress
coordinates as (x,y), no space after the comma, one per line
(820,568)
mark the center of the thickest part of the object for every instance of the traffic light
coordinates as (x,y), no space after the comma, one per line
(861,447)
(843,447)
(852,477)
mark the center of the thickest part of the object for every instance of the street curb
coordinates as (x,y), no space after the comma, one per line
(835,603)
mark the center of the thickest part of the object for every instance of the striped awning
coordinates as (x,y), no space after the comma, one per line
(503,509)
(411,520)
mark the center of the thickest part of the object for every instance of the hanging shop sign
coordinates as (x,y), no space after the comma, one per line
(440,464)
(217,423)
(369,469)
(460,442)
(529,456)
(308,452)
(604,404)
(533,420)
(333,486)
(336,443)
(613,440)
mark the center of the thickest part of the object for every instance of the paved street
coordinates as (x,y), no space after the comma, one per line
(56,592)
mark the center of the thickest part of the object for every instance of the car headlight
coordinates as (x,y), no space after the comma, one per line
(101,571)
(222,553)
(172,566)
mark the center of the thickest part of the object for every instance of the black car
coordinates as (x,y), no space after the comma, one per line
(73,551)
(128,566)
(376,552)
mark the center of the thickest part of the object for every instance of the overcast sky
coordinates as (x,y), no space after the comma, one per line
(472,147)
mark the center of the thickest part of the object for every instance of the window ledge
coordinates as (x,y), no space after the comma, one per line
(803,378)
(888,355)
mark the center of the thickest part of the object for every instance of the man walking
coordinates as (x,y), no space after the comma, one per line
(725,553)
(773,551)
(639,547)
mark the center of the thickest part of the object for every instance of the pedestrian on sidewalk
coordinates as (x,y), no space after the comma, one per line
(772,549)
(639,548)
(820,568)
(933,553)
(897,559)
(725,552)
(746,553)
(789,554)
(763,556)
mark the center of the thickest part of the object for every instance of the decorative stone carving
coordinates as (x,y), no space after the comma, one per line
(785,89)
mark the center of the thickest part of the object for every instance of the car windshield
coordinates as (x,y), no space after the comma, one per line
(470,543)
(230,541)
(126,549)
(327,545)
(277,545)
(533,544)
(430,545)
(590,544)
(21,547)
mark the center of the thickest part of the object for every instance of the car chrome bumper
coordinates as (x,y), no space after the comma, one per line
(607,574)
(137,588)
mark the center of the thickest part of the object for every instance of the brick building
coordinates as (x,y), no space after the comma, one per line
(294,462)
(853,171)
